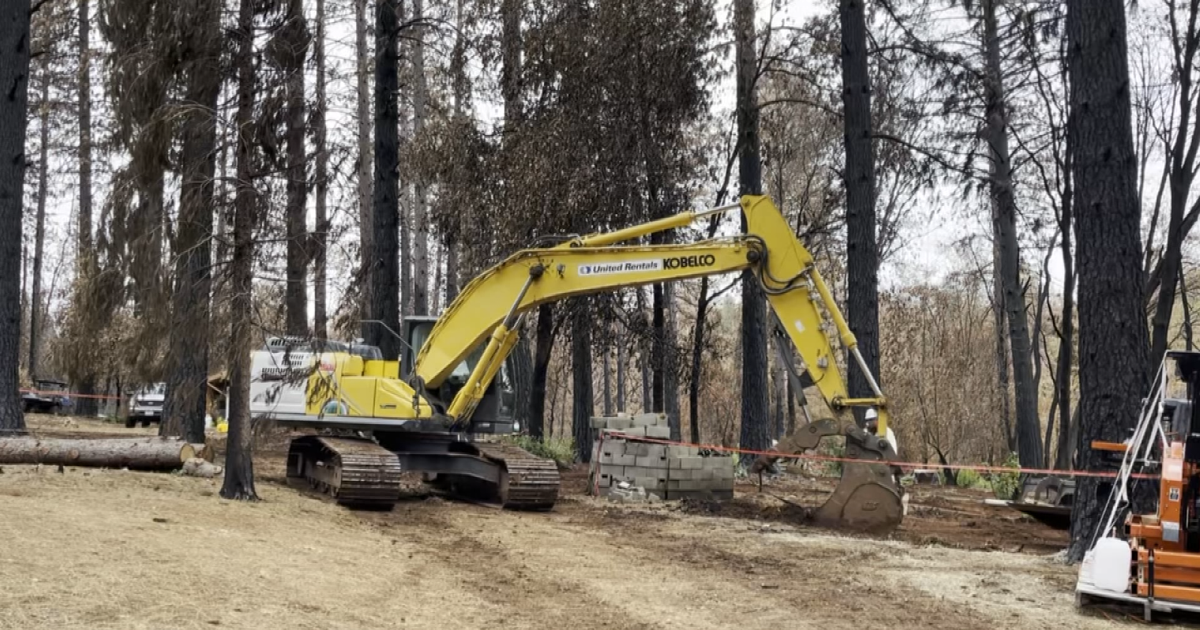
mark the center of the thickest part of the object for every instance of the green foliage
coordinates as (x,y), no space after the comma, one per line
(1006,484)
(971,479)
(561,450)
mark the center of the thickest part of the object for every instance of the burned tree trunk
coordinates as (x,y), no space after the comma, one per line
(39,234)
(184,407)
(295,43)
(541,365)
(321,238)
(1066,344)
(1000,182)
(239,461)
(366,227)
(581,372)
(420,210)
(862,248)
(1113,344)
(385,260)
(14,88)
(755,433)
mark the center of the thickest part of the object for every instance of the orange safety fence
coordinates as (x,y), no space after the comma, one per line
(903,465)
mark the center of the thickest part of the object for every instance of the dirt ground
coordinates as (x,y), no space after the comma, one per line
(94,548)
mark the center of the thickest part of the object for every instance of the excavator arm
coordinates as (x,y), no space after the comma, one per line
(492,305)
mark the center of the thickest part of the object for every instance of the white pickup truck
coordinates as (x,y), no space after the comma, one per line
(146,405)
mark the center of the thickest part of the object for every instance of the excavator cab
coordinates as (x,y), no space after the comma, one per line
(496,411)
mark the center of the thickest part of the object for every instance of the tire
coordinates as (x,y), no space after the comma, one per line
(145,423)
(130,422)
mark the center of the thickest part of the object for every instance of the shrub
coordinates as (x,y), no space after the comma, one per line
(970,479)
(1006,484)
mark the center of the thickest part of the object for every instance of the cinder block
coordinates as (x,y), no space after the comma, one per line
(649,419)
(674,463)
(691,463)
(604,481)
(613,448)
(615,471)
(672,484)
(620,423)
(625,460)
(615,443)
(635,431)
(661,432)
(652,462)
(676,473)
(682,451)
(716,462)
(599,422)
(703,474)
(637,471)
(654,450)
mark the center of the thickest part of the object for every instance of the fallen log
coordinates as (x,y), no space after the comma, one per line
(155,454)
(203,451)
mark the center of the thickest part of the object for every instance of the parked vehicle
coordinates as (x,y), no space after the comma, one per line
(46,396)
(146,405)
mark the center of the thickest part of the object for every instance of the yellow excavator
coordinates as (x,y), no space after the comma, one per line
(423,411)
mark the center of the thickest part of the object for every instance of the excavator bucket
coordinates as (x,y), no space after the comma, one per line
(867,499)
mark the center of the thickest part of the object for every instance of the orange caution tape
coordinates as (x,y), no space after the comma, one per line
(70,394)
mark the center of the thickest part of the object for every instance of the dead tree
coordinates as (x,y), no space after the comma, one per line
(1113,344)
(14,82)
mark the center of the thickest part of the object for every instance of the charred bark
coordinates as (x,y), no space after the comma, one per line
(1113,344)
(385,290)
(755,433)
(39,233)
(14,88)
(541,364)
(1029,447)
(187,381)
(581,375)
(419,209)
(239,461)
(366,228)
(296,292)
(862,248)
(320,239)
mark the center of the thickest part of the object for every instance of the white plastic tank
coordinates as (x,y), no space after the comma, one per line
(1111,565)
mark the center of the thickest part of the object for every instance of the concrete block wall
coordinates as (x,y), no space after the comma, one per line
(668,471)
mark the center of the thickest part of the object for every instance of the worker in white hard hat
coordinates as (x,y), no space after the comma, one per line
(872,417)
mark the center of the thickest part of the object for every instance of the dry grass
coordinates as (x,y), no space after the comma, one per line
(112,549)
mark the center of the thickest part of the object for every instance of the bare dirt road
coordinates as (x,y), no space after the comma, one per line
(117,549)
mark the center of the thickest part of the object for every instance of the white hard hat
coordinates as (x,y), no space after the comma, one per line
(872,414)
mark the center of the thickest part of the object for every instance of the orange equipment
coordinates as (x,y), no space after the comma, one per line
(1161,567)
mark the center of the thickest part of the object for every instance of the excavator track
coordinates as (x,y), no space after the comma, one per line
(528,482)
(354,471)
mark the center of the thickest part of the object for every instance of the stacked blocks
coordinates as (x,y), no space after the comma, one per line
(667,471)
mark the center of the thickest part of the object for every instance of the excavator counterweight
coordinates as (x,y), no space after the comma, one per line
(426,413)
